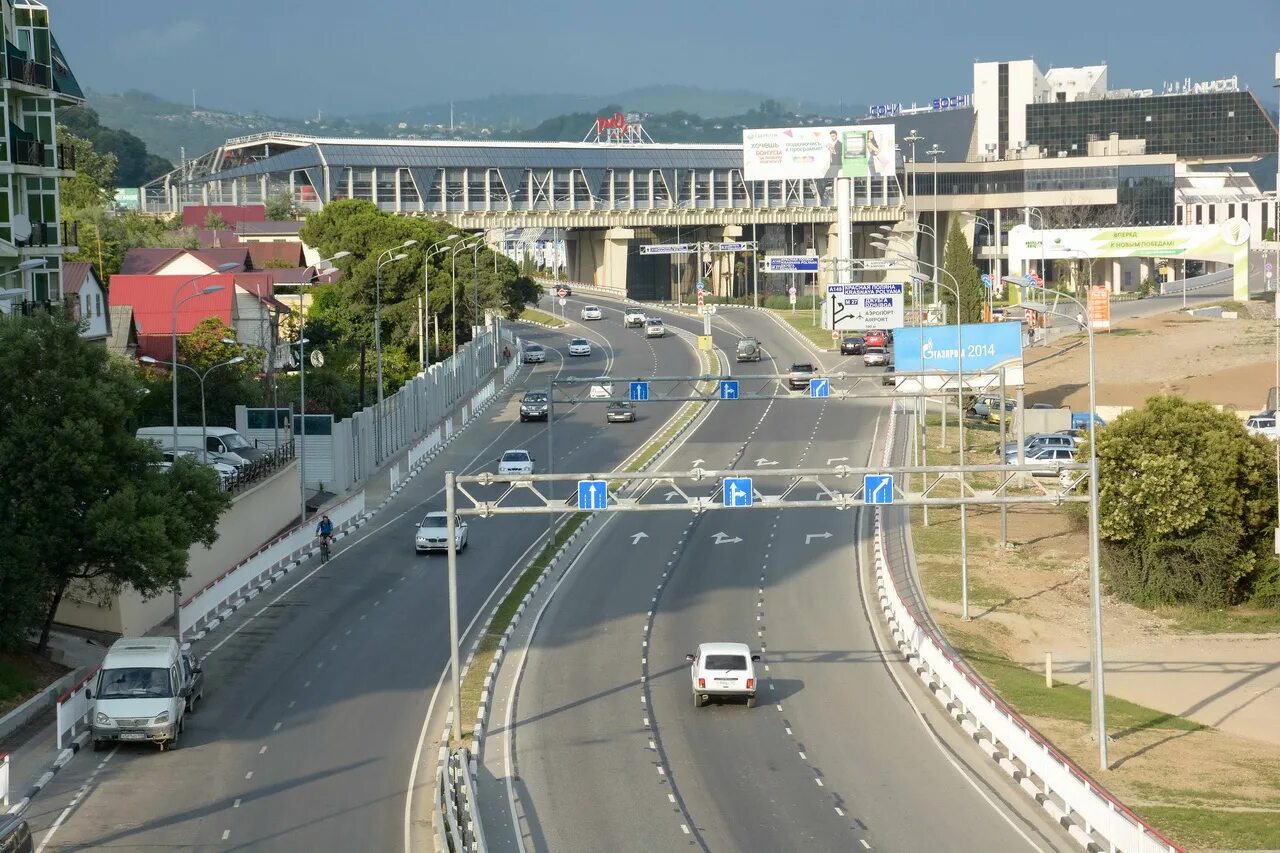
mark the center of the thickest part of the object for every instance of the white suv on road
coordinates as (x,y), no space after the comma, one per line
(653,328)
(723,669)
(633,317)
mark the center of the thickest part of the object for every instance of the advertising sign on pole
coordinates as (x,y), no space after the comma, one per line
(988,347)
(790,263)
(1099,307)
(877,305)
(792,153)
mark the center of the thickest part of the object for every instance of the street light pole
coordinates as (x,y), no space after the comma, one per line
(434,249)
(377,334)
(936,152)
(453,299)
(300,450)
(173,315)
(913,138)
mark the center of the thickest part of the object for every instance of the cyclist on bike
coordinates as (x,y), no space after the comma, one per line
(325,531)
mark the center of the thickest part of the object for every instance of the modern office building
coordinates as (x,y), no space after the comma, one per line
(36,80)
(1054,149)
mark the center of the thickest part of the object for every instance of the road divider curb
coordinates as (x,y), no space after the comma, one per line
(1093,816)
(64,756)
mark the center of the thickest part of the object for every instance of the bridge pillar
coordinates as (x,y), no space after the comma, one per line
(599,257)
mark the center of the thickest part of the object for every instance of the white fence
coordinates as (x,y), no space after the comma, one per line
(456,828)
(4,780)
(74,708)
(1088,811)
(218,593)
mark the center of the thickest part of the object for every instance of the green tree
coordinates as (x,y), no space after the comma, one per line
(136,165)
(1188,504)
(105,236)
(94,184)
(280,207)
(224,388)
(957,259)
(83,501)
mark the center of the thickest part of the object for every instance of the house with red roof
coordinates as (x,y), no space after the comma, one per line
(188,262)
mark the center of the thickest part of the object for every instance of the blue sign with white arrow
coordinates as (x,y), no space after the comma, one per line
(728,389)
(592,494)
(877,489)
(819,387)
(639,392)
(737,491)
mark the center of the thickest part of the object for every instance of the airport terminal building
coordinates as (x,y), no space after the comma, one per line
(1050,149)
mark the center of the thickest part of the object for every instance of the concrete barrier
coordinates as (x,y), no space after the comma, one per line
(74,709)
(4,781)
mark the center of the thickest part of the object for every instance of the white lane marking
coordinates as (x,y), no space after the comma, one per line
(226,833)
(81,793)
(662,770)
(803,757)
(819,781)
(236,804)
(671,798)
(685,827)
(263,751)
(248,775)
(863,840)
(292,703)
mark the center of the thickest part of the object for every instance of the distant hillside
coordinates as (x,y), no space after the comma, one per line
(135,164)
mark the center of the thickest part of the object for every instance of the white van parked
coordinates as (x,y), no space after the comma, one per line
(142,692)
(221,440)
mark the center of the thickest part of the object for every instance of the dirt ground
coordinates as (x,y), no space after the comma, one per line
(1221,361)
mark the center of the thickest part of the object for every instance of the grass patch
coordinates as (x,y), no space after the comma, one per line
(1232,620)
(15,682)
(1216,829)
(1123,333)
(802,320)
(1231,305)
(533,315)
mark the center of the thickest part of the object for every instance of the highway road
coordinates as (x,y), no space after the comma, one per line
(609,751)
(318,691)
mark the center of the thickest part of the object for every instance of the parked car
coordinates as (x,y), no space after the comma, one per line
(633,317)
(591,312)
(1045,457)
(876,337)
(1043,406)
(799,375)
(579,346)
(853,345)
(993,409)
(433,533)
(654,328)
(227,474)
(194,676)
(1263,423)
(1041,439)
(515,462)
(534,406)
(722,670)
(748,349)
(620,412)
(875,356)
(216,439)
(533,354)
(140,694)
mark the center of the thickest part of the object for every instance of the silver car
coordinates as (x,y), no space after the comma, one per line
(875,357)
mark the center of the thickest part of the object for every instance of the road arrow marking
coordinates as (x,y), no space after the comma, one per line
(838,459)
(697,462)
(809,537)
(672,496)
(762,462)
(722,538)
(636,537)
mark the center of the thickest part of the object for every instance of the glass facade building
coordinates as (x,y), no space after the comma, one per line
(1208,125)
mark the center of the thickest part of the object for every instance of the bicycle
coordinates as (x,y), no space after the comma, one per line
(325,548)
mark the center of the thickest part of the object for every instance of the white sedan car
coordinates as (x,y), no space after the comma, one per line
(600,391)
(433,533)
(515,462)
(591,312)
(579,346)
(723,670)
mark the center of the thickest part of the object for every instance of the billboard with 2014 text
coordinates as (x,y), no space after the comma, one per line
(983,350)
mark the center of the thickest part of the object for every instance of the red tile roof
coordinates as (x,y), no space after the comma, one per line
(147,261)
(196,215)
(285,250)
(151,297)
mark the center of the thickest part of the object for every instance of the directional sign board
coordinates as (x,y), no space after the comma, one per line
(737,491)
(592,494)
(728,389)
(790,263)
(731,247)
(669,249)
(877,488)
(877,305)
(819,387)
(639,392)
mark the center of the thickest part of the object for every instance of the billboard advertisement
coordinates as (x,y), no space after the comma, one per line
(1226,242)
(855,307)
(987,347)
(791,153)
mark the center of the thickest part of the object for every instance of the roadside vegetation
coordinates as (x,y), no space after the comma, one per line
(534,315)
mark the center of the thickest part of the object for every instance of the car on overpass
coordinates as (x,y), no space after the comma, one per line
(1263,423)
(722,671)
(433,533)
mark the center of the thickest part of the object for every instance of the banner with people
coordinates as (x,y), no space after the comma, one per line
(849,151)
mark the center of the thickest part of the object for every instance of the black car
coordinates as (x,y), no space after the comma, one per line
(853,345)
(620,412)
(533,407)
(15,835)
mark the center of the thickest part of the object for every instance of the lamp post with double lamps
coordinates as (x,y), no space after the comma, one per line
(9,294)
(319,268)
(889,232)
(437,248)
(176,303)
(382,261)
(1098,684)
(460,246)
(200,376)
(935,152)
(913,138)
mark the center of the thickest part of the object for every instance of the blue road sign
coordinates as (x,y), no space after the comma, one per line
(639,392)
(791,263)
(728,389)
(819,387)
(986,280)
(877,488)
(701,287)
(737,491)
(592,494)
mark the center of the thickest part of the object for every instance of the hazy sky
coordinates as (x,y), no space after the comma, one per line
(292,57)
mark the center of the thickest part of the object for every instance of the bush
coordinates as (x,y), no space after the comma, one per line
(783,302)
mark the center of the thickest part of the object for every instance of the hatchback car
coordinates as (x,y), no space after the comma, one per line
(579,346)
(534,406)
(591,312)
(620,412)
(853,345)
(654,328)
(515,462)
(1039,440)
(876,338)
(533,354)
(875,356)
(723,670)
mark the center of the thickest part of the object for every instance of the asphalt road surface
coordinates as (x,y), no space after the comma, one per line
(610,752)
(317,692)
